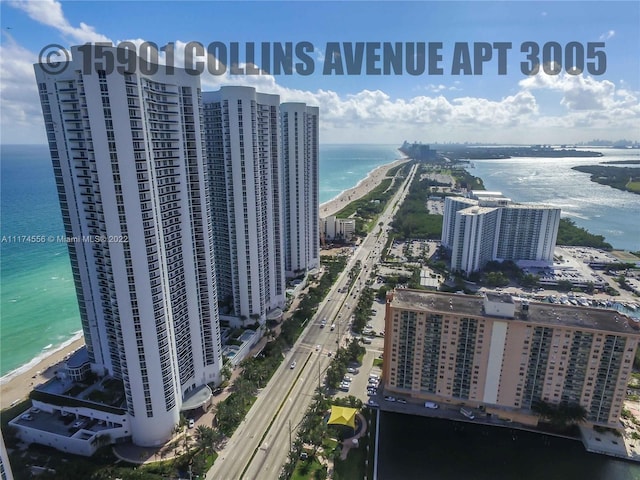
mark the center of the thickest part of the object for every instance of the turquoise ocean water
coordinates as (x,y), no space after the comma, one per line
(38,308)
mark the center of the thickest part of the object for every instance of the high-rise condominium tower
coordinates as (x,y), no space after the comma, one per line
(127,153)
(489,226)
(300,187)
(243,153)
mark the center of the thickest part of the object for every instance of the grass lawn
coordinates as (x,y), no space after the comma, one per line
(633,186)
(329,445)
(353,467)
(377,362)
(306,469)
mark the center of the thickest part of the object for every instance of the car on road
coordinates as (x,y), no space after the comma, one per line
(329,353)
(402,400)
(323,323)
(192,423)
(389,398)
(352,370)
(432,405)
(35,410)
(293,365)
(317,347)
(333,327)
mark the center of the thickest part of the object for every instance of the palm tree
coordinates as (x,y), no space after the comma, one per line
(205,438)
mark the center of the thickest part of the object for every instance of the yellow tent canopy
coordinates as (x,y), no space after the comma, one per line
(343,416)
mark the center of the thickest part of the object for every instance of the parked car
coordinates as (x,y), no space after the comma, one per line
(192,423)
(352,370)
(26,416)
(373,403)
(389,398)
(432,405)
(402,400)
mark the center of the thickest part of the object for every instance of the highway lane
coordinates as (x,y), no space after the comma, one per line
(260,445)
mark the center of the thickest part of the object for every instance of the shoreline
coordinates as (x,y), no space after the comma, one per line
(364,186)
(16,385)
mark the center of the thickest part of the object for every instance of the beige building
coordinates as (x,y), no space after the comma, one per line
(333,228)
(503,355)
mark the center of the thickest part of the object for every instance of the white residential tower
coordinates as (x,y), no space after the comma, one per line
(128,159)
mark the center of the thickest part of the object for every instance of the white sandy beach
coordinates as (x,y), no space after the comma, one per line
(18,387)
(360,190)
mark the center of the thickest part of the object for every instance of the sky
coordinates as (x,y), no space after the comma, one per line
(456,97)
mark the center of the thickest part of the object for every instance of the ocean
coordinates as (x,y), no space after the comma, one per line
(38,308)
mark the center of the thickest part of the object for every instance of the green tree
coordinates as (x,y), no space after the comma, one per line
(529,280)
(560,415)
(205,438)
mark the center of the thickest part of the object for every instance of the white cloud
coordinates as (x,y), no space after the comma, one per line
(369,114)
(607,35)
(18,94)
(49,12)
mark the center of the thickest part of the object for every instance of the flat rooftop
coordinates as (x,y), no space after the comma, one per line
(539,313)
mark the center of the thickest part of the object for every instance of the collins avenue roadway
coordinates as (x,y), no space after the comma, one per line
(260,445)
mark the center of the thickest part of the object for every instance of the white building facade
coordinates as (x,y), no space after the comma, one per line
(451,206)
(334,228)
(242,132)
(474,238)
(128,157)
(300,168)
(489,227)
(527,232)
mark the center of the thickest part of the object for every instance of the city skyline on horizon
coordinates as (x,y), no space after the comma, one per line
(511,108)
